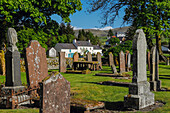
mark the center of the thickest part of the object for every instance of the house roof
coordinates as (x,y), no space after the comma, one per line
(66,46)
(83,43)
(96,47)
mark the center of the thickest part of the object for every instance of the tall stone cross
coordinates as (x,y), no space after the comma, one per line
(139,91)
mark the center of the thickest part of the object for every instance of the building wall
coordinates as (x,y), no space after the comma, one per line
(97,50)
(81,49)
(69,52)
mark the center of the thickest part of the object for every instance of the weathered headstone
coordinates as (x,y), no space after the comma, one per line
(75,57)
(55,94)
(111,62)
(155,83)
(52,52)
(122,67)
(62,62)
(99,59)
(36,63)
(2,62)
(12,58)
(126,57)
(128,62)
(89,56)
(139,91)
(148,59)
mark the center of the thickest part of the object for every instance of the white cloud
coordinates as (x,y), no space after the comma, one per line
(77,28)
(106,28)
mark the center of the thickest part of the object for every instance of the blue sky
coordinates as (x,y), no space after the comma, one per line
(82,19)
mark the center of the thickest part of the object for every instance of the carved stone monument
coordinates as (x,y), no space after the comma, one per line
(62,62)
(89,56)
(148,60)
(128,62)
(99,59)
(155,83)
(36,63)
(139,91)
(55,94)
(122,68)
(12,58)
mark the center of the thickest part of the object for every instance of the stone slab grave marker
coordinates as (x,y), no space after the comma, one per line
(2,62)
(111,62)
(55,94)
(155,83)
(99,59)
(62,62)
(148,59)
(122,67)
(36,63)
(128,62)
(52,52)
(89,58)
(75,57)
(139,91)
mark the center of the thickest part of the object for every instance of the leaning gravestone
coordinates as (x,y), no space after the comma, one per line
(62,62)
(36,63)
(155,83)
(55,94)
(52,52)
(99,59)
(111,62)
(75,57)
(122,67)
(139,91)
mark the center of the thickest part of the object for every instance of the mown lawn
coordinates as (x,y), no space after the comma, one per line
(86,87)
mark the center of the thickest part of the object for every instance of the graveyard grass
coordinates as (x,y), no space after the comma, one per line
(86,87)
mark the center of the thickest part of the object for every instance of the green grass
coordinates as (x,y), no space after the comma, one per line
(85,87)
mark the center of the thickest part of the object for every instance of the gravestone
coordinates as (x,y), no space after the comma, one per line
(89,56)
(111,62)
(126,58)
(99,59)
(62,62)
(122,67)
(128,62)
(139,91)
(12,58)
(2,62)
(52,52)
(148,60)
(155,83)
(75,57)
(36,63)
(55,94)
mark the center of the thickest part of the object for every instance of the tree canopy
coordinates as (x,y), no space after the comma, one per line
(153,16)
(35,14)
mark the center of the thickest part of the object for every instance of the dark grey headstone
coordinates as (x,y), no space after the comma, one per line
(155,83)
(139,91)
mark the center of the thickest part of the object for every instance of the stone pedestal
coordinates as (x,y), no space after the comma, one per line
(13,73)
(139,96)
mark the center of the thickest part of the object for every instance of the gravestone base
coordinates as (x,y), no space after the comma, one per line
(155,85)
(139,96)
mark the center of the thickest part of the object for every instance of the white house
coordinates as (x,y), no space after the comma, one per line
(77,46)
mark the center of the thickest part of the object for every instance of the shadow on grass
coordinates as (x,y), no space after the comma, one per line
(109,83)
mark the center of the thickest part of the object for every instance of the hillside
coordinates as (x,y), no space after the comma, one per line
(102,33)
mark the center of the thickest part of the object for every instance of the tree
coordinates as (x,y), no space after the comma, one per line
(114,41)
(110,33)
(34,14)
(153,16)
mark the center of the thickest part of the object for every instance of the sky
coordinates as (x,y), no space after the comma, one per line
(83,20)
